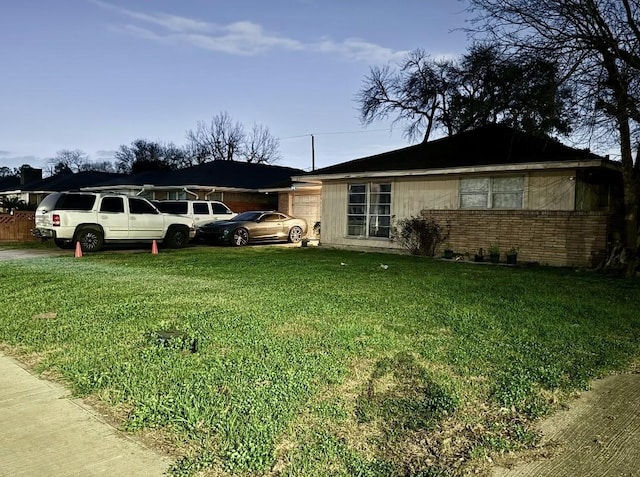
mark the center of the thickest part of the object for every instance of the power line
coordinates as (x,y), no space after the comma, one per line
(334,133)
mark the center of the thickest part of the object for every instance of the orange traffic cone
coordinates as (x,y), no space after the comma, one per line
(154,248)
(78,253)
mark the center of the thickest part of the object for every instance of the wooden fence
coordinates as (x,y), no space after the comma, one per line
(17,227)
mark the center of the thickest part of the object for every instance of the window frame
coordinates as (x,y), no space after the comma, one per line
(492,190)
(365,210)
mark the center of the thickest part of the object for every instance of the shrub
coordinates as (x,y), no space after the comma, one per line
(419,235)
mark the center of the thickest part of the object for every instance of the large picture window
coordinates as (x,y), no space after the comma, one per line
(492,193)
(369,210)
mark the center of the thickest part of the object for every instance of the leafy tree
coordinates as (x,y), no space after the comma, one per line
(8,172)
(145,155)
(596,47)
(101,166)
(12,203)
(225,140)
(484,86)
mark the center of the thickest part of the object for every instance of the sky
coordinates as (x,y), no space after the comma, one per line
(97,74)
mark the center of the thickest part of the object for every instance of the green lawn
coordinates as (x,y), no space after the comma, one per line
(306,366)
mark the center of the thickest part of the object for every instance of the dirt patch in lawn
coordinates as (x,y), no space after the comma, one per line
(598,435)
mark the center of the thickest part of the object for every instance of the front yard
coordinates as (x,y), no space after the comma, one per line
(319,362)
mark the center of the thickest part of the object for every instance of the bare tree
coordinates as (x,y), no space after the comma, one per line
(414,95)
(260,146)
(225,140)
(219,140)
(596,44)
(67,160)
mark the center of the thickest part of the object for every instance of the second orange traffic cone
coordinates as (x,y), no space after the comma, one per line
(154,248)
(78,253)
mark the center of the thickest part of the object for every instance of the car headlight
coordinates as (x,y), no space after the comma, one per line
(226,232)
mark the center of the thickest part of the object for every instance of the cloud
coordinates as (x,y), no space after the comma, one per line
(243,38)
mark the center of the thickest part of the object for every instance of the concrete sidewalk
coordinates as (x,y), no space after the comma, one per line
(45,433)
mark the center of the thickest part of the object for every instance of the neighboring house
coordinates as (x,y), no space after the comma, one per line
(241,185)
(34,190)
(11,187)
(492,185)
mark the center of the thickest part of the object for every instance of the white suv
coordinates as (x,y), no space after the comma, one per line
(94,219)
(201,211)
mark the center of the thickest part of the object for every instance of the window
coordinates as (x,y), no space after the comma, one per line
(271,218)
(112,204)
(492,193)
(176,195)
(369,210)
(141,206)
(200,208)
(76,202)
(173,207)
(220,208)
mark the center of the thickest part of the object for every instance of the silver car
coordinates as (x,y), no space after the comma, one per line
(253,226)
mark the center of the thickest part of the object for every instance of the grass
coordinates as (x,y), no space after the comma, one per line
(305,366)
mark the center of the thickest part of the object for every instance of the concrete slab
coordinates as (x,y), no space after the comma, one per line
(19,254)
(44,432)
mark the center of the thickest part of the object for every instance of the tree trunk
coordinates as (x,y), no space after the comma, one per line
(630,198)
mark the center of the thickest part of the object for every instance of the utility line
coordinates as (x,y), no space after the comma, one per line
(333,133)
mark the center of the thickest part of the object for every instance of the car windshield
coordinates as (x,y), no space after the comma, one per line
(247,217)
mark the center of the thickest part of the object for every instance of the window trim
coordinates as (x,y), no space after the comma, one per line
(367,204)
(491,191)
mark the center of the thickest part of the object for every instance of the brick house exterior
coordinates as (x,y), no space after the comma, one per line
(492,185)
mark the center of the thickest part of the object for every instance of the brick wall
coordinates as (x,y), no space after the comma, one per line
(548,237)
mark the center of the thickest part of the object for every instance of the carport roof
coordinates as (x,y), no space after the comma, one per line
(240,175)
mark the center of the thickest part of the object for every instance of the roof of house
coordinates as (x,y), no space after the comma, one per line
(9,183)
(241,175)
(486,146)
(69,181)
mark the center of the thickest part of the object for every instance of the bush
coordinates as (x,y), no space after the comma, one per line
(419,235)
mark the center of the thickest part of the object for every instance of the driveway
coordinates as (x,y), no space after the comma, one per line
(18,254)
(598,436)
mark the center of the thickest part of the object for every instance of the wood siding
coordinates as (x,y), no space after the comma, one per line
(551,190)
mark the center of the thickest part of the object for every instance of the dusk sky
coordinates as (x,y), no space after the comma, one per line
(96,74)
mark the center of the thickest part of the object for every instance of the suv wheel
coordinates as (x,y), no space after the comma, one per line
(177,237)
(91,240)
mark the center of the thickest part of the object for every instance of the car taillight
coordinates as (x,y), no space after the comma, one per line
(56,220)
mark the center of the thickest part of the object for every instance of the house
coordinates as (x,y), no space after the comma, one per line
(33,192)
(241,185)
(492,185)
